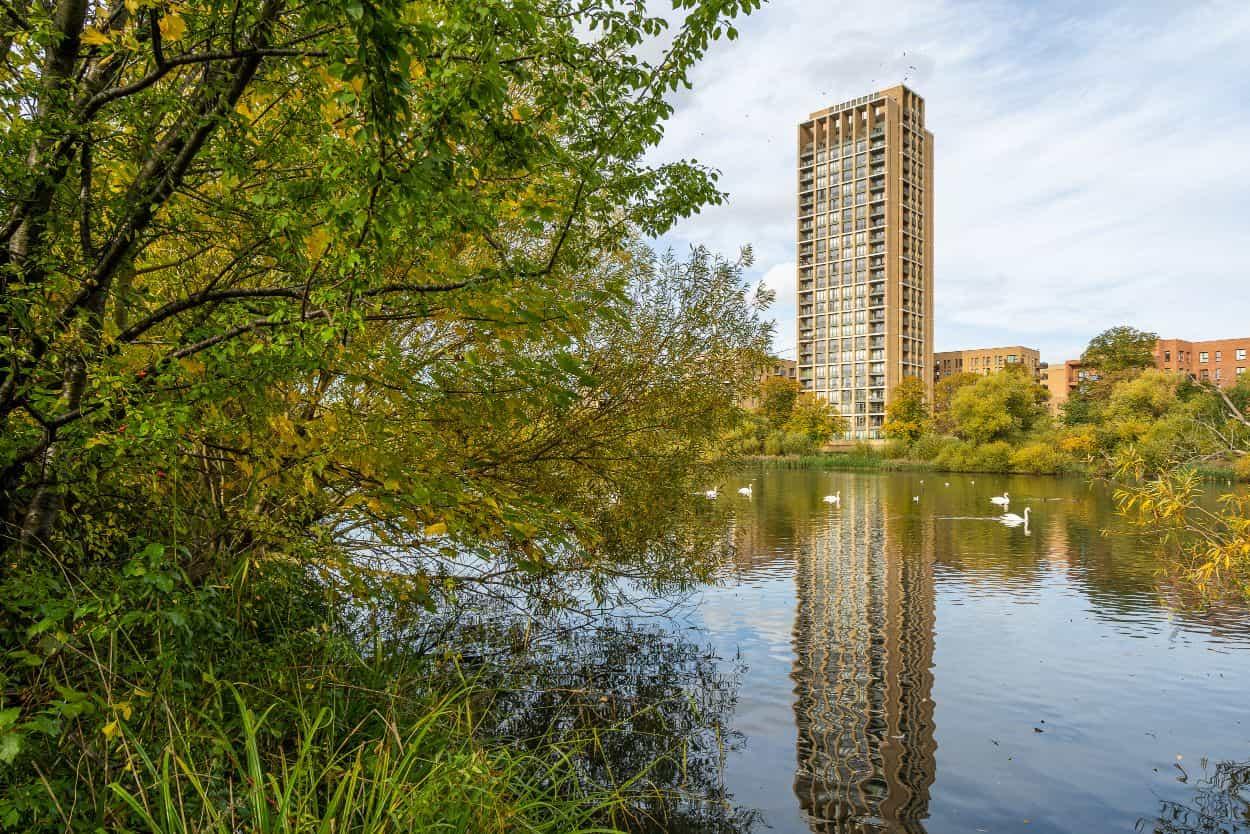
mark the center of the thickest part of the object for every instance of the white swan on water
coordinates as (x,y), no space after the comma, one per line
(1013,520)
(711,494)
(1001,500)
(746,490)
(833,499)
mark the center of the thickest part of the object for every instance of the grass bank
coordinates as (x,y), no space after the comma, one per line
(872,460)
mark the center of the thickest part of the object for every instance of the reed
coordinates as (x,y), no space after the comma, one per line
(431,775)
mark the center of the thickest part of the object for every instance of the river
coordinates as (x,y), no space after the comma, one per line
(916,666)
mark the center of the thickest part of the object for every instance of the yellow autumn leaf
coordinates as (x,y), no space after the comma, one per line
(173,27)
(317,242)
(109,729)
(94,36)
(439,529)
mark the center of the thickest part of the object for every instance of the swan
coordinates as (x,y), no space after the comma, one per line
(1013,520)
(711,494)
(746,490)
(915,498)
(948,483)
(833,499)
(1001,500)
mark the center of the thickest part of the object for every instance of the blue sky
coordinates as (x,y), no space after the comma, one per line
(1092,159)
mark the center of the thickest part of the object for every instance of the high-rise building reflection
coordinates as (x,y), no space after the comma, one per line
(863,641)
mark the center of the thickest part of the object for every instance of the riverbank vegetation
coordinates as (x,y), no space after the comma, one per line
(321,327)
(1123,418)
(1163,437)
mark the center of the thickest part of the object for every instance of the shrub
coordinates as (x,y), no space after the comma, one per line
(1080,442)
(928,446)
(775,443)
(1040,457)
(799,443)
(955,455)
(993,457)
(896,449)
(1241,468)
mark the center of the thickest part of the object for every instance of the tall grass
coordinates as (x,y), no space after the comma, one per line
(430,776)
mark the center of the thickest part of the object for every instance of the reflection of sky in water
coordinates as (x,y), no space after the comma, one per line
(1064,631)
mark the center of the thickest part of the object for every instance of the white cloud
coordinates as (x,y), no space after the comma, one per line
(1091,165)
(780,279)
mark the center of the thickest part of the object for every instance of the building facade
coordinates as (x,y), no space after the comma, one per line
(1219,361)
(1061,380)
(985,361)
(865,253)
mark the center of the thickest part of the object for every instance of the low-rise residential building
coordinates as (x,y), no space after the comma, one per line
(1219,361)
(985,361)
(1061,379)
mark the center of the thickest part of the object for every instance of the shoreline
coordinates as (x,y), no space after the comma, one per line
(872,461)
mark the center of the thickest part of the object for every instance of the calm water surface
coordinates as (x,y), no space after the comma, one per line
(915,666)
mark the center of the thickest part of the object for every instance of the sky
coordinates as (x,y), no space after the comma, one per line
(1092,160)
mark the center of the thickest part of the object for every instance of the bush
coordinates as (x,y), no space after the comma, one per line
(1040,457)
(956,455)
(993,457)
(928,447)
(1079,442)
(1241,468)
(775,443)
(799,443)
(896,450)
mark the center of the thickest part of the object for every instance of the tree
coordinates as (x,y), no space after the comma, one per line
(943,393)
(227,226)
(815,418)
(347,293)
(907,417)
(997,407)
(1119,351)
(777,398)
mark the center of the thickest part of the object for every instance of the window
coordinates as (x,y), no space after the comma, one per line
(1219,356)
(1205,374)
(1217,374)
(1240,371)
(1203,356)
(1241,354)
(1167,356)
